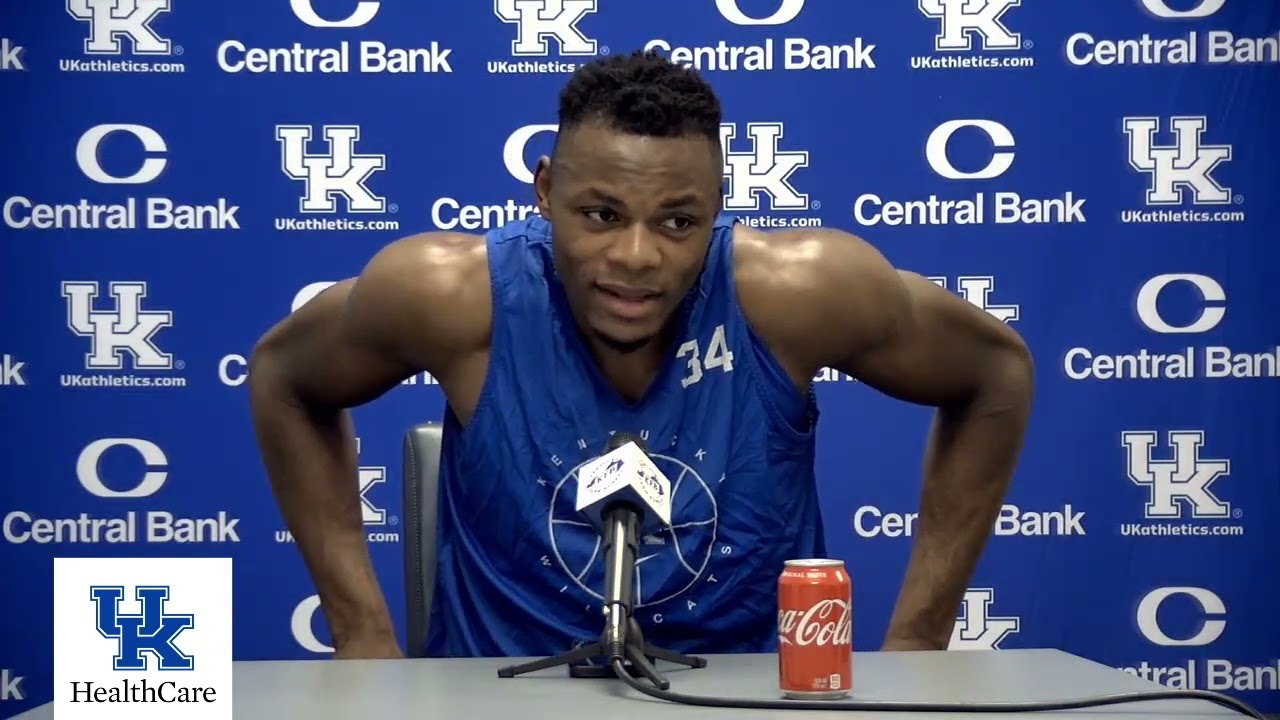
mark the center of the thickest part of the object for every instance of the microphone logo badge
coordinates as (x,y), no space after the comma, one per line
(609,473)
(651,482)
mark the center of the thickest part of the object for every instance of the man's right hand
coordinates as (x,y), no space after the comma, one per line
(372,648)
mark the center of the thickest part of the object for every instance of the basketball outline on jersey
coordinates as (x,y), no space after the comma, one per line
(674,547)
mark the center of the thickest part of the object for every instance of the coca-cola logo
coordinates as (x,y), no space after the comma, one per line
(828,622)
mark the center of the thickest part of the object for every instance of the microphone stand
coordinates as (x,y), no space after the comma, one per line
(621,637)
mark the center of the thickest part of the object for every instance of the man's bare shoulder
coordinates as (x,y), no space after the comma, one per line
(808,266)
(438,256)
(428,266)
(800,288)
(434,283)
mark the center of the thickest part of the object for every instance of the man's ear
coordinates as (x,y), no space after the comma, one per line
(542,184)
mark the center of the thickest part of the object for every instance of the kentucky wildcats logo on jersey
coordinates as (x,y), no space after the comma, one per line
(674,561)
(669,562)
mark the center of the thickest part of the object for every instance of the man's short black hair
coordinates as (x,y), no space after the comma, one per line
(642,94)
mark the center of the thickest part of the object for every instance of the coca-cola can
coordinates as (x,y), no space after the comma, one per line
(815,630)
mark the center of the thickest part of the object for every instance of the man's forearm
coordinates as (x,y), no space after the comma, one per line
(969,462)
(311,463)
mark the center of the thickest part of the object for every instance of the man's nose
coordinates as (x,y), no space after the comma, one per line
(636,248)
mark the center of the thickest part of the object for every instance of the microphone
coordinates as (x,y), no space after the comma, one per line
(624,496)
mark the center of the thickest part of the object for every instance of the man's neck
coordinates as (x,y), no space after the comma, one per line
(630,374)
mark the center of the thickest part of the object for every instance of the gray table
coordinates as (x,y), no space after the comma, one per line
(471,690)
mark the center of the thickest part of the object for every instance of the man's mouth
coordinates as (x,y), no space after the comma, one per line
(627,302)
(628,293)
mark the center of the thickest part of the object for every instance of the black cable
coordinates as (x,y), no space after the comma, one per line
(899,706)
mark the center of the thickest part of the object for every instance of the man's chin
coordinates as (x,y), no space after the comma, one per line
(621,340)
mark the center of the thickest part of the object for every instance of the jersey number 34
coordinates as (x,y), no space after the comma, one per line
(718,356)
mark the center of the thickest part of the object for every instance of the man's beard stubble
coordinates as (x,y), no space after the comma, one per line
(623,347)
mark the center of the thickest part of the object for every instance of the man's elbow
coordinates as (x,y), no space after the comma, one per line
(1011,378)
(266,365)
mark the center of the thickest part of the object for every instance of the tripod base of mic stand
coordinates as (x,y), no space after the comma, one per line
(582,661)
(596,672)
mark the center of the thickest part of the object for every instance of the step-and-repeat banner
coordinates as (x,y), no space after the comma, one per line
(1100,175)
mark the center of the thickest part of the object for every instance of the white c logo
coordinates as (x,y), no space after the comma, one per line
(87,468)
(87,154)
(1210,605)
(1210,315)
(785,14)
(935,149)
(300,624)
(513,150)
(364,12)
(306,294)
(1161,9)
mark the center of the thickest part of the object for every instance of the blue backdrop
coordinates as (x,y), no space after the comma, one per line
(179,175)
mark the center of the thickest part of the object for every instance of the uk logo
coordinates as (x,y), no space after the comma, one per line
(149,634)
(1186,165)
(110,21)
(126,329)
(964,20)
(337,172)
(370,477)
(537,21)
(764,170)
(977,290)
(1180,484)
(977,628)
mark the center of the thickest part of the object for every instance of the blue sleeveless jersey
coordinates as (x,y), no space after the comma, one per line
(520,573)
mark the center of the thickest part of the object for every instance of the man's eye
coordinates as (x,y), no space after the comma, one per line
(601,215)
(679,223)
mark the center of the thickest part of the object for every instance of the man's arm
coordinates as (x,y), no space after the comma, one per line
(912,340)
(932,347)
(409,311)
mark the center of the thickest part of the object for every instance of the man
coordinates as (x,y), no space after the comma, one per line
(631,305)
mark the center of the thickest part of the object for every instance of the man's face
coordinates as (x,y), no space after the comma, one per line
(631,218)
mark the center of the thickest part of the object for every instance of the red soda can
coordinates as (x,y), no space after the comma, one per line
(815,630)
